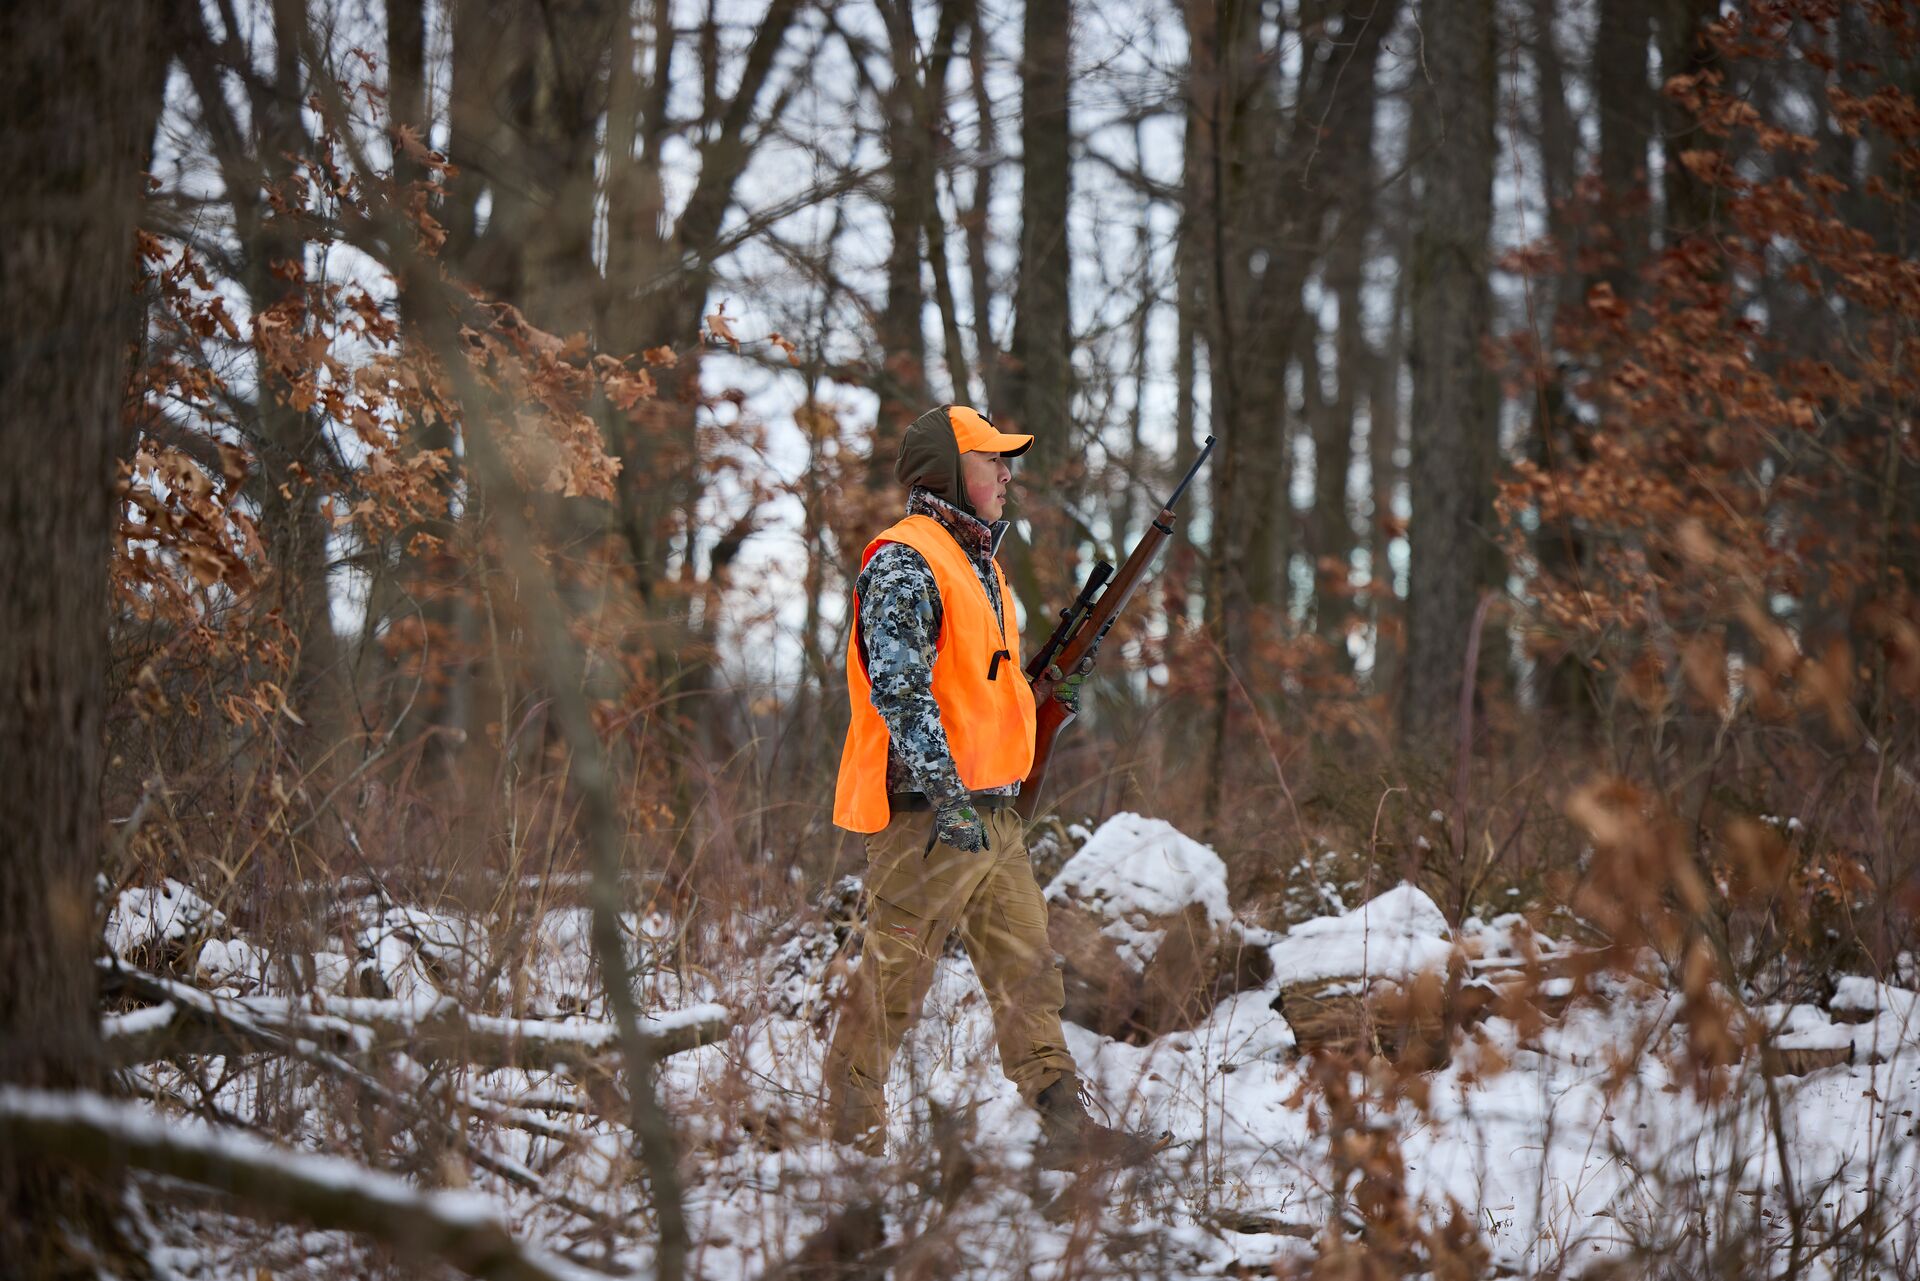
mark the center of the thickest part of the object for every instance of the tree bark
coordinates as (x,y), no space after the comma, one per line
(1037,385)
(901,378)
(1627,113)
(430,582)
(974,220)
(82,89)
(1680,26)
(406,80)
(1455,400)
(1350,170)
(1385,437)
(953,14)
(256,158)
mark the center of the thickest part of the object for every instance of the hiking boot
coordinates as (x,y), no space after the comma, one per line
(1069,1138)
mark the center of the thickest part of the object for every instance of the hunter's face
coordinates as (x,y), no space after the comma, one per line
(986,477)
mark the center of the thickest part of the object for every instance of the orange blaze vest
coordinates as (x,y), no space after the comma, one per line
(986,705)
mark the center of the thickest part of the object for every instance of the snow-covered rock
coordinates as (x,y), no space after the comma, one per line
(1141,921)
(1398,934)
(1136,868)
(1372,977)
(1879,1020)
(147,924)
(418,953)
(233,963)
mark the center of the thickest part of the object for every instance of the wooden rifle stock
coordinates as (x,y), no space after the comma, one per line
(1083,646)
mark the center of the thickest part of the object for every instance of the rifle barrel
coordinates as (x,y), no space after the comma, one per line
(1191,473)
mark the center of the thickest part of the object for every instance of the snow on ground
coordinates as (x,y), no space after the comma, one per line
(1568,1144)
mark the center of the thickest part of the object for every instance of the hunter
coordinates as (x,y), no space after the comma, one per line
(942,734)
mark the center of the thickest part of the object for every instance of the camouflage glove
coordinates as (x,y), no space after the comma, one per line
(959,824)
(1067,688)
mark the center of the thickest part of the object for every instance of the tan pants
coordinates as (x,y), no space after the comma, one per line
(915,899)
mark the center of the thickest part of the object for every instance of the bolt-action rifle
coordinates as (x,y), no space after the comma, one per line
(1075,643)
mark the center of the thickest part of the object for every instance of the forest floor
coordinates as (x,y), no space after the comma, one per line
(1557,1146)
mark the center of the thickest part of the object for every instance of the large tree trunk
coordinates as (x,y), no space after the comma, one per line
(974,219)
(1037,387)
(486,94)
(1263,195)
(430,581)
(901,378)
(1253,286)
(1627,111)
(1225,87)
(1680,26)
(1455,402)
(82,91)
(257,155)
(1350,171)
(292,446)
(569,87)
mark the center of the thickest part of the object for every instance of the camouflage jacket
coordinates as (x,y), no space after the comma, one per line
(899,622)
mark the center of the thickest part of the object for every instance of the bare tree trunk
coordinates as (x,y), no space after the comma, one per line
(1220,59)
(1627,111)
(430,581)
(1455,398)
(485,108)
(1350,169)
(570,95)
(292,447)
(1037,387)
(953,14)
(406,80)
(256,159)
(1254,295)
(1680,26)
(974,220)
(901,379)
(82,87)
(1384,440)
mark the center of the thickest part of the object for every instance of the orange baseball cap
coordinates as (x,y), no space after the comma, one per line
(976,435)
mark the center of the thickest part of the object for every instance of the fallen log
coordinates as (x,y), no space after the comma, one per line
(200,1023)
(460,1229)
